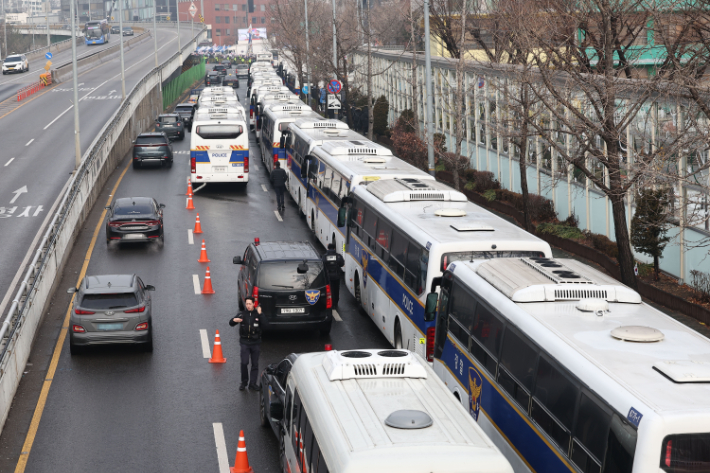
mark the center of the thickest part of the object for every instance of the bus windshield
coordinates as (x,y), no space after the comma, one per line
(219,132)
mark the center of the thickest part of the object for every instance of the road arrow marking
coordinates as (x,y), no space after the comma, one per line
(21,190)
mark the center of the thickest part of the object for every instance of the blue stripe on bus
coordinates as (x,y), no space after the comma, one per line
(374,269)
(296,169)
(526,438)
(280,152)
(204,157)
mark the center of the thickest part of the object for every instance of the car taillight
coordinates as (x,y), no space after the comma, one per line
(83,312)
(178,123)
(255,295)
(114,224)
(246,164)
(328,297)
(430,332)
(152,223)
(142,326)
(193,163)
(157,124)
(276,159)
(136,310)
(77,329)
(669,452)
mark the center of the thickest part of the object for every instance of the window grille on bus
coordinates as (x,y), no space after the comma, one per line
(574,294)
(324,124)
(362,151)
(365,370)
(390,369)
(426,196)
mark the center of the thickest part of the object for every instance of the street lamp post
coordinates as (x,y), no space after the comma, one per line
(308,67)
(177,11)
(123,69)
(77,141)
(429,104)
(155,31)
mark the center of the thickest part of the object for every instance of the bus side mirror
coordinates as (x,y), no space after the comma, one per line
(342,216)
(304,167)
(237,260)
(276,410)
(430,308)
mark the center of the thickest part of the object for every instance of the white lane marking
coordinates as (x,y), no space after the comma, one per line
(30,142)
(196,284)
(58,117)
(11,160)
(72,106)
(336,316)
(190,238)
(187,199)
(222,459)
(18,192)
(264,187)
(278,217)
(79,85)
(205,344)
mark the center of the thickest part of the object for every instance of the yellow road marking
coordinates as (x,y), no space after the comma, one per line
(41,402)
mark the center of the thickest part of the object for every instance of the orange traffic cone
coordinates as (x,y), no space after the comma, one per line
(217,356)
(189,203)
(189,188)
(198,227)
(241,463)
(207,288)
(203,254)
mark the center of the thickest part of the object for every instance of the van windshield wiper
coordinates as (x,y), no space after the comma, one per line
(287,287)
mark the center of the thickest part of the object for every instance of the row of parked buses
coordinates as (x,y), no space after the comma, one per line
(562,366)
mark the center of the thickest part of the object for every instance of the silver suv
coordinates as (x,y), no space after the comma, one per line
(15,63)
(111,309)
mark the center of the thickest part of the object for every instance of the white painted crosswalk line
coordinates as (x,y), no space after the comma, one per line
(190,238)
(278,216)
(336,316)
(205,344)
(196,284)
(264,187)
(221,445)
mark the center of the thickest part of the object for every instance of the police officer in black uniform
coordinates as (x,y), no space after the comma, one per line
(250,341)
(333,262)
(279,179)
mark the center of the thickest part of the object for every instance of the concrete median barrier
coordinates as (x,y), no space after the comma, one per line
(48,256)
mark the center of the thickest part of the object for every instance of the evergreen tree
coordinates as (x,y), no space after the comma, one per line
(380,111)
(650,225)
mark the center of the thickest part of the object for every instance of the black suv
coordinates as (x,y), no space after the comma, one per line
(152,148)
(221,69)
(186,112)
(230,80)
(290,283)
(170,124)
(212,79)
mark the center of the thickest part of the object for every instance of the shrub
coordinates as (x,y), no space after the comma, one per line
(540,208)
(572,221)
(410,148)
(700,282)
(380,112)
(560,230)
(480,181)
(603,244)
(490,195)
(405,122)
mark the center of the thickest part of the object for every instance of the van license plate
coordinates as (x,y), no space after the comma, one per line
(302,310)
(108,327)
(219,168)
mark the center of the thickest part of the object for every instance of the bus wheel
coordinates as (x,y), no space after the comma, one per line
(397,334)
(456,395)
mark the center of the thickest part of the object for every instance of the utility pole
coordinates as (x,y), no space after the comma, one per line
(335,56)
(77,141)
(4,28)
(308,67)
(429,104)
(123,68)
(155,31)
(46,16)
(177,12)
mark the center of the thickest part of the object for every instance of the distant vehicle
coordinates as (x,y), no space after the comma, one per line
(127,31)
(135,219)
(115,30)
(15,63)
(231,80)
(370,411)
(242,70)
(221,69)
(171,124)
(97,32)
(152,148)
(290,283)
(212,79)
(186,111)
(227,63)
(111,309)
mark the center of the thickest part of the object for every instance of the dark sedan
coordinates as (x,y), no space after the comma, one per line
(127,31)
(231,80)
(212,79)
(220,69)
(135,219)
(152,148)
(171,124)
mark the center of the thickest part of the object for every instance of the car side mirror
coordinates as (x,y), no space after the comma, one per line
(237,260)
(162,206)
(148,287)
(430,308)
(276,410)
(342,216)
(72,290)
(270,369)
(108,207)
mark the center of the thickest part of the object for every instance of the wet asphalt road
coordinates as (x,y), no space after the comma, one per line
(118,409)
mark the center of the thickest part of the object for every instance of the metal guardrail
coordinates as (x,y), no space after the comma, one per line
(37,285)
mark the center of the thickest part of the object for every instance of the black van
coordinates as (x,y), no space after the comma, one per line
(290,283)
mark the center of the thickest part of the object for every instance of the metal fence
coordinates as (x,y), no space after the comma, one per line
(173,89)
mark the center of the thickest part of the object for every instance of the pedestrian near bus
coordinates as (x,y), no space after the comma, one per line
(279,178)
(250,343)
(333,262)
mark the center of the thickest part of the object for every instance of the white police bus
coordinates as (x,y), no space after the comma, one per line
(568,371)
(250,95)
(334,168)
(257,98)
(273,98)
(219,149)
(275,119)
(214,113)
(401,234)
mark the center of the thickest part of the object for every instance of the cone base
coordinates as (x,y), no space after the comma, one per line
(241,470)
(204,260)
(197,232)
(223,360)
(208,292)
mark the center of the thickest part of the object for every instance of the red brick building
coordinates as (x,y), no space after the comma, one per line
(226,18)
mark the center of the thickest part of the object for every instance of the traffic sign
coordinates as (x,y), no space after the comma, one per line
(48,65)
(334,86)
(167,18)
(334,102)
(304,89)
(111,18)
(193,9)
(48,55)
(202,19)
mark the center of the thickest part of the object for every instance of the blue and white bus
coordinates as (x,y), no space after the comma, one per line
(251,90)
(258,97)
(274,121)
(97,32)
(567,370)
(219,149)
(401,234)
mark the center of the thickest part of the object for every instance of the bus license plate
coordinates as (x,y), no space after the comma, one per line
(302,310)
(219,168)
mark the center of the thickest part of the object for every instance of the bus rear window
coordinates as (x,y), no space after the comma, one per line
(150,140)
(686,453)
(449,258)
(219,132)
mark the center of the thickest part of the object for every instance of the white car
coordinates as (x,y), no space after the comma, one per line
(15,63)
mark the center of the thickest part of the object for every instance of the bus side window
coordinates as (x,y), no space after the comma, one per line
(411,274)
(295,422)
(384,236)
(518,361)
(315,456)
(303,432)
(590,430)
(398,254)
(370,228)
(461,314)
(358,215)
(442,315)
(308,438)
(487,333)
